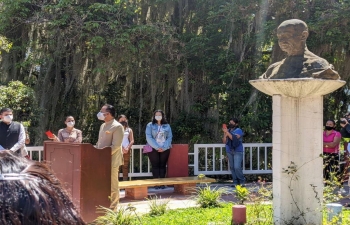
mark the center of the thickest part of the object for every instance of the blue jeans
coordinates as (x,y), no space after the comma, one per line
(235,161)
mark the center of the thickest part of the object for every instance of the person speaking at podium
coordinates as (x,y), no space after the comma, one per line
(69,134)
(111,135)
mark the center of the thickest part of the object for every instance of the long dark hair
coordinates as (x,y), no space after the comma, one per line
(163,121)
(35,196)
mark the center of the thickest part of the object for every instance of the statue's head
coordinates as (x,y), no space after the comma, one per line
(292,35)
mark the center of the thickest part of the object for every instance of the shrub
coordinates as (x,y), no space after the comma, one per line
(122,216)
(242,193)
(208,197)
(157,206)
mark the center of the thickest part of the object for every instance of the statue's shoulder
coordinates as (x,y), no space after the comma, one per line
(270,69)
(315,61)
(317,67)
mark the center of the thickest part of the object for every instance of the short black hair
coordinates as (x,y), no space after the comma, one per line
(333,121)
(235,120)
(5,110)
(110,109)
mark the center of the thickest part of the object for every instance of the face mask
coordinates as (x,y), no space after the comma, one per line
(230,126)
(158,118)
(70,124)
(100,116)
(329,128)
(8,118)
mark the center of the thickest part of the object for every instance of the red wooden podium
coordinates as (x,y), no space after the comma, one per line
(178,161)
(84,171)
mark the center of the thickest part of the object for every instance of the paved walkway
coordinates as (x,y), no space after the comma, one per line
(185,201)
(178,200)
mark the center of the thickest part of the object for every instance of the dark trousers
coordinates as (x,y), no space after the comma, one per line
(158,162)
(330,165)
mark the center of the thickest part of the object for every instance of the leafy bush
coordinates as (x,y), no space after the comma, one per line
(242,193)
(157,206)
(208,197)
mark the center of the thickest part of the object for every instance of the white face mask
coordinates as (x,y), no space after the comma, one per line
(158,118)
(7,119)
(70,124)
(100,116)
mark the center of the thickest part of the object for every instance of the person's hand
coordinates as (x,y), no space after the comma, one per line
(53,138)
(225,130)
(160,150)
(125,150)
(344,122)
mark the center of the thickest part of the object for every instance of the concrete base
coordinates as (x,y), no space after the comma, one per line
(297,145)
(185,189)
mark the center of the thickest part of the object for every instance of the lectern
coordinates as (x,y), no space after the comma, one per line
(84,171)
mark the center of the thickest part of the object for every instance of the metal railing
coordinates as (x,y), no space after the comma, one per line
(209,159)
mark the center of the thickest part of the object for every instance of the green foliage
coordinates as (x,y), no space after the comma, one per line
(18,97)
(208,197)
(260,213)
(205,216)
(194,61)
(22,100)
(158,206)
(189,126)
(242,193)
(192,216)
(122,216)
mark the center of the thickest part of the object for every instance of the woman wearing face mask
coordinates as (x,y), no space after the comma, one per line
(128,141)
(159,137)
(69,134)
(331,140)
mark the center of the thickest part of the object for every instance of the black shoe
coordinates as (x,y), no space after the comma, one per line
(156,187)
(162,187)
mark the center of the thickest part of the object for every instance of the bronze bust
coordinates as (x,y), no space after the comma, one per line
(300,62)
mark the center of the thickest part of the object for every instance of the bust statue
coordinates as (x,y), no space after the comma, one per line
(300,62)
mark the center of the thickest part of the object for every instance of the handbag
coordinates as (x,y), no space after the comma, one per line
(147,148)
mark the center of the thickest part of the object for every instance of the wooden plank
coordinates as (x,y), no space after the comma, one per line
(164,181)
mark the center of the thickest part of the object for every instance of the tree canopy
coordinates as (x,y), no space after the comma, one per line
(191,58)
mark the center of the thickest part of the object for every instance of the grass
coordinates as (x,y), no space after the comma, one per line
(258,214)
(189,216)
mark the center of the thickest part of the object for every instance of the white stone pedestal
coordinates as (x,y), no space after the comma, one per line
(297,145)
